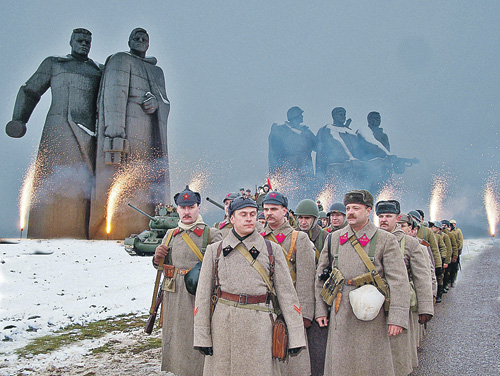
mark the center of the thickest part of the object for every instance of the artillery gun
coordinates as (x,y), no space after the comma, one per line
(145,243)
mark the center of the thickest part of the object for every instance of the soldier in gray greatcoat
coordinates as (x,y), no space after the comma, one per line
(404,349)
(299,253)
(357,347)
(178,355)
(237,338)
(336,216)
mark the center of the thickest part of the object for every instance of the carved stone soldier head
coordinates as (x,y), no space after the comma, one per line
(339,116)
(80,42)
(138,42)
(373,119)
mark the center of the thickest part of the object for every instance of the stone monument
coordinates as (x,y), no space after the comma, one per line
(132,129)
(66,155)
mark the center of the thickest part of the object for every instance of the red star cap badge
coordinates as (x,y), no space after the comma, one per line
(185,196)
(273,195)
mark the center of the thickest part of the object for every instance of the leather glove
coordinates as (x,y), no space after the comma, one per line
(307,323)
(294,351)
(207,351)
(423,318)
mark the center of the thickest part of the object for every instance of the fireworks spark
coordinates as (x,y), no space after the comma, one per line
(439,190)
(26,195)
(199,180)
(125,182)
(327,195)
(491,205)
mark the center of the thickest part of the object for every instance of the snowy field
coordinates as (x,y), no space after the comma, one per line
(46,285)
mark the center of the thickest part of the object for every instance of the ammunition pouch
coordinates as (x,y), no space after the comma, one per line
(280,338)
(332,286)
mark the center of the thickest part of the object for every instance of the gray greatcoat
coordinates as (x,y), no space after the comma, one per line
(358,347)
(404,350)
(126,80)
(178,355)
(305,270)
(242,338)
(66,156)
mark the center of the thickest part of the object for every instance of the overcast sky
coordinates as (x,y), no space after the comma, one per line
(232,68)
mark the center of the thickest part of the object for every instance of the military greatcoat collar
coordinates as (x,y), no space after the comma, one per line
(284,229)
(254,240)
(366,232)
(398,233)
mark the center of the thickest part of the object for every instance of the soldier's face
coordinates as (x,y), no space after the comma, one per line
(244,220)
(324,222)
(406,228)
(336,219)
(262,221)
(388,221)
(306,222)
(375,120)
(275,214)
(139,42)
(357,214)
(226,206)
(188,214)
(80,44)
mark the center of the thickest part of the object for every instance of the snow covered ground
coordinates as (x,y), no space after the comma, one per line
(46,285)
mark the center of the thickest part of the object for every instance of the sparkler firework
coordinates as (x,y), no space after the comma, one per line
(26,195)
(491,205)
(199,180)
(439,190)
(125,182)
(327,195)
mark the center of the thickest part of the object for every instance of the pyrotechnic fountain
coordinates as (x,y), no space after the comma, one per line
(26,195)
(491,205)
(124,183)
(327,195)
(439,189)
(199,180)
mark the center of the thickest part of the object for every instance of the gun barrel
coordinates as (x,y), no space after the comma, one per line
(215,203)
(143,213)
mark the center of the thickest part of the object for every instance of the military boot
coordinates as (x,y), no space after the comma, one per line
(439,295)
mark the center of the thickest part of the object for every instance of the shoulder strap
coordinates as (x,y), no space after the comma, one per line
(402,245)
(192,246)
(373,243)
(168,241)
(293,245)
(257,265)
(366,260)
(206,239)
(216,265)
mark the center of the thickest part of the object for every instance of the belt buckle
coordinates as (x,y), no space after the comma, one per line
(246,299)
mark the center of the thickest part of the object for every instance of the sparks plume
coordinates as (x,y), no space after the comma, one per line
(439,190)
(125,182)
(327,195)
(199,180)
(491,205)
(26,194)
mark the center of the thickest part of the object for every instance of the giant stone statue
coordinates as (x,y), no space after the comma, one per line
(65,160)
(132,130)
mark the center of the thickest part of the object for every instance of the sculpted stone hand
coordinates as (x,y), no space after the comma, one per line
(114,131)
(150,104)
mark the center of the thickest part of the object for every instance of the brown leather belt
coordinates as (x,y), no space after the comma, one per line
(349,282)
(243,298)
(170,271)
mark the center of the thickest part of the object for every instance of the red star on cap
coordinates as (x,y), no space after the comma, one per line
(186,196)
(273,195)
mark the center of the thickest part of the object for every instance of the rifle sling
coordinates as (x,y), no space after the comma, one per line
(257,265)
(158,276)
(288,255)
(192,246)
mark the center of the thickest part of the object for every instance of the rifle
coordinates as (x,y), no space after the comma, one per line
(400,164)
(157,299)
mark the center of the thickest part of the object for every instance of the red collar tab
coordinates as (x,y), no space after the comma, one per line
(280,237)
(176,231)
(222,225)
(364,240)
(263,233)
(344,238)
(198,231)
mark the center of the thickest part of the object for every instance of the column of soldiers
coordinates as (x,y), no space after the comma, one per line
(252,276)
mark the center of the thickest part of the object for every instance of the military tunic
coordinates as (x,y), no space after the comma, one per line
(427,235)
(358,347)
(242,338)
(305,270)
(403,346)
(178,355)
